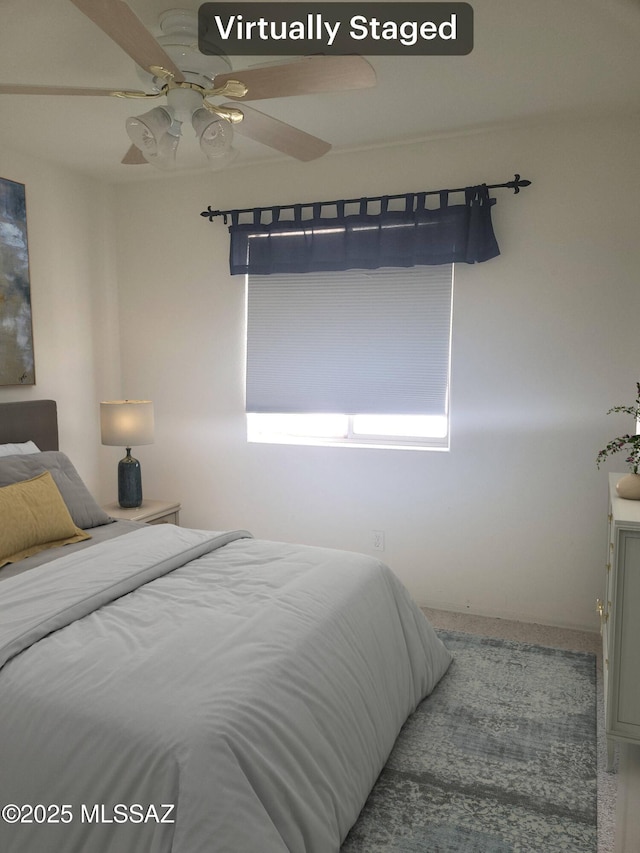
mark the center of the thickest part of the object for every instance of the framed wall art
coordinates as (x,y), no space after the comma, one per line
(16,328)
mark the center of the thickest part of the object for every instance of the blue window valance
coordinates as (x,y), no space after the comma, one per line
(413,235)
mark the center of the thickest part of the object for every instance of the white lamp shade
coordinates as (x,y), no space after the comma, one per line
(126,423)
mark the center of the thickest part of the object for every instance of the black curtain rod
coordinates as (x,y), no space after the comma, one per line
(516,184)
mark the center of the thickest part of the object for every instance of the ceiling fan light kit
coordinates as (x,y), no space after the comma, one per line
(157,133)
(173,66)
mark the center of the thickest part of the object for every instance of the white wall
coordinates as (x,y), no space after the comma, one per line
(511,521)
(74,301)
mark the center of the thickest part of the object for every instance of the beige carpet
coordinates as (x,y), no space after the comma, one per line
(560,638)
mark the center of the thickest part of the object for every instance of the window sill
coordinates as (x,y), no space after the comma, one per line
(372,444)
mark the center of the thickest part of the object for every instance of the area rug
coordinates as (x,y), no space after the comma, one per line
(501,758)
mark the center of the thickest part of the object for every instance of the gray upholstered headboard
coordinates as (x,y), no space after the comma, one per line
(32,420)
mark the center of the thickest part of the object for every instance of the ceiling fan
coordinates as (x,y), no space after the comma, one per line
(173,67)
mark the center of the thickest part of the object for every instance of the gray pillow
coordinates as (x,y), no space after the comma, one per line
(84,511)
(21,447)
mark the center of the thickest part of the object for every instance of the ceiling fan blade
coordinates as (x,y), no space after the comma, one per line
(57,90)
(134,157)
(308,76)
(276,134)
(120,23)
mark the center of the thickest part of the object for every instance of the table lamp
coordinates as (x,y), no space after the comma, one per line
(127,423)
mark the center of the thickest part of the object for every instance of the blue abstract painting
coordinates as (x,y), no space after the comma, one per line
(16,330)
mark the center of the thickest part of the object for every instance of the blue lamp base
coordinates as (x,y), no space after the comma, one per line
(129,482)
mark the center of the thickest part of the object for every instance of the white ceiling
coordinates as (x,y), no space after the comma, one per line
(531,58)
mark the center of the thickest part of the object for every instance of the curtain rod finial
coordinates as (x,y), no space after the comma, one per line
(210,213)
(517,183)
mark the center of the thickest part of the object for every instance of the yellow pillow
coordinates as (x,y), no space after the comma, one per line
(34,516)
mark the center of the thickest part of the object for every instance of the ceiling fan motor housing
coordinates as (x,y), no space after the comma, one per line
(179,40)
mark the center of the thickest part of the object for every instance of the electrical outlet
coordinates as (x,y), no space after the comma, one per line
(378,540)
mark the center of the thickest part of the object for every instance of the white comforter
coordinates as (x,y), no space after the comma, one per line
(178,690)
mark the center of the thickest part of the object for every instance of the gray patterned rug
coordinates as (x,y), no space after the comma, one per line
(501,758)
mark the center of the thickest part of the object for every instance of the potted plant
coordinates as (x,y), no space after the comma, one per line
(629,485)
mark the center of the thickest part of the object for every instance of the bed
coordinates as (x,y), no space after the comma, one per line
(167,690)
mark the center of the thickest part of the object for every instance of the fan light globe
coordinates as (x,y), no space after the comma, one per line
(147,130)
(165,156)
(156,134)
(215,134)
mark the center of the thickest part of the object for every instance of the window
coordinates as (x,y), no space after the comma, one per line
(354,358)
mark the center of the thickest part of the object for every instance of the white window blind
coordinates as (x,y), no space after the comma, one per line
(358,341)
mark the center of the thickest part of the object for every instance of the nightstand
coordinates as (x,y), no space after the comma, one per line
(150,512)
